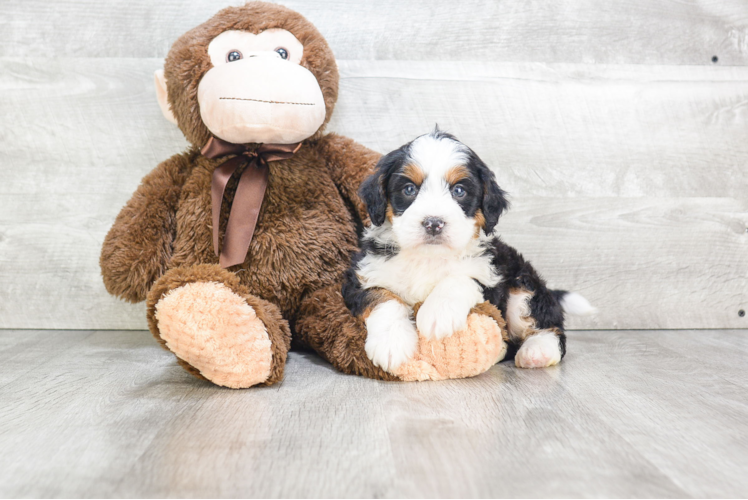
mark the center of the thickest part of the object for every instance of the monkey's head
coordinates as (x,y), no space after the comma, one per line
(260,73)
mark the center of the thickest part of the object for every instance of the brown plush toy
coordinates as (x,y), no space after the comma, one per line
(240,243)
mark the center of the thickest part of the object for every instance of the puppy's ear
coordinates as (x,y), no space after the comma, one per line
(494,198)
(374,190)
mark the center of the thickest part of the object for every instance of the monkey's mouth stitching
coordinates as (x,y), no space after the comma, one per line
(268,102)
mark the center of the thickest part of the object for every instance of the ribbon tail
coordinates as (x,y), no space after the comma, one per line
(220,179)
(245,211)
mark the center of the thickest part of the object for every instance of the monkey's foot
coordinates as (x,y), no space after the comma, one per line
(465,353)
(217,332)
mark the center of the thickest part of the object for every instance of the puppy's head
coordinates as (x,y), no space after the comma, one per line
(434,191)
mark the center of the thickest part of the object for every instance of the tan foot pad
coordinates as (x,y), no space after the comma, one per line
(463,354)
(216,331)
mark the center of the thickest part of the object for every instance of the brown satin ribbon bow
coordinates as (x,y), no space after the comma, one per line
(249,193)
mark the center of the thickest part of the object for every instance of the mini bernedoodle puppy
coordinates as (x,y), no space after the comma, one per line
(434,205)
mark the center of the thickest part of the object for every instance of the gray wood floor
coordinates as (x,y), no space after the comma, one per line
(628,413)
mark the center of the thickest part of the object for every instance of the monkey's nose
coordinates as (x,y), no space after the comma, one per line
(433,225)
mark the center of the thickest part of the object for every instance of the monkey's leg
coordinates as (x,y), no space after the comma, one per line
(326,325)
(216,328)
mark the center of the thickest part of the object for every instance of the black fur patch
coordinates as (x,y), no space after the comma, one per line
(493,199)
(356,298)
(374,247)
(518,273)
(398,198)
(373,189)
(471,201)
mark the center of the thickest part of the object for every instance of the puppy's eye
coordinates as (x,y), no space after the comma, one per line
(458,191)
(410,190)
(233,55)
(283,52)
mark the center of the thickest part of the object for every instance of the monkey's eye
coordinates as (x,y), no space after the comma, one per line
(458,191)
(233,55)
(283,52)
(410,190)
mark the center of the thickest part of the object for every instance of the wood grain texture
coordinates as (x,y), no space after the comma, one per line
(692,434)
(565,130)
(561,130)
(626,414)
(627,182)
(642,261)
(578,31)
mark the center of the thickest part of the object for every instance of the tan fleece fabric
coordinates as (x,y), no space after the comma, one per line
(285,106)
(467,353)
(277,327)
(216,331)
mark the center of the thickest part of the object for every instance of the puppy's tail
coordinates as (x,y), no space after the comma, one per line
(574,303)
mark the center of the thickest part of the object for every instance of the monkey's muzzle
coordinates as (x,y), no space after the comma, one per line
(261,99)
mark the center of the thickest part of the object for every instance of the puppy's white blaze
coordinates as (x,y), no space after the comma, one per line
(539,350)
(519,321)
(391,337)
(446,309)
(575,303)
(435,156)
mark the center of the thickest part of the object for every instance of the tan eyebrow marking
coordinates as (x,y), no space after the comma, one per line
(414,173)
(456,174)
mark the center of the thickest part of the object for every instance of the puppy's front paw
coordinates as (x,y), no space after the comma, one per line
(440,317)
(391,338)
(538,351)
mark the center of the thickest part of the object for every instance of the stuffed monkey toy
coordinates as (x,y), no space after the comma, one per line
(240,244)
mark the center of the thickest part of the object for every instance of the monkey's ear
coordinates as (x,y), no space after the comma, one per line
(163,96)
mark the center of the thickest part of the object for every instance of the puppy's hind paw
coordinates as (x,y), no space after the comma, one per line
(539,351)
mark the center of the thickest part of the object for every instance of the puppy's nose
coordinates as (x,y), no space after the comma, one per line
(433,225)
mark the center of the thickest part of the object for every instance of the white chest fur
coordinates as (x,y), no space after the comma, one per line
(412,275)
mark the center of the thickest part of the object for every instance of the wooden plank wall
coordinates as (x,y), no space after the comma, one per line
(623,145)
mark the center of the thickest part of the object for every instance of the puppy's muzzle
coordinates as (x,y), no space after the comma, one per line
(433,225)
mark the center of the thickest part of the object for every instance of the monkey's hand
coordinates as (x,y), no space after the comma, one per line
(349,163)
(137,248)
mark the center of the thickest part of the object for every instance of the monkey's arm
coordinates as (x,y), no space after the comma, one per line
(350,163)
(138,247)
